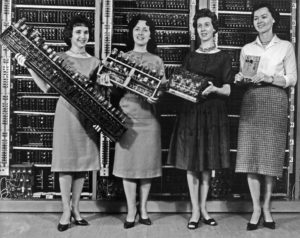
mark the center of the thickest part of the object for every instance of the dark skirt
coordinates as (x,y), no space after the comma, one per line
(200,139)
(263,131)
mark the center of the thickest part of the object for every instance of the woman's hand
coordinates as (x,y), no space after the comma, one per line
(210,89)
(152,100)
(260,77)
(238,78)
(20,59)
(104,80)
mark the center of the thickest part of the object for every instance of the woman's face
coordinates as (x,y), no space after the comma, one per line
(263,20)
(80,36)
(141,33)
(205,28)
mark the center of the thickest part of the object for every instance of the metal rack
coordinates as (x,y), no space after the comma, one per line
(177,199)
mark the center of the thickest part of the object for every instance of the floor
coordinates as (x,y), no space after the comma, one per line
(165,225)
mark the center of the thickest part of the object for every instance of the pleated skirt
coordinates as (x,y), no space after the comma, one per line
(200,140)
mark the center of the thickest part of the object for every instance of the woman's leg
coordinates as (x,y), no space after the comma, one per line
(65,183)
(204,192)
(254,187)
(77,186)
(193,184)
(267,198)
(130,193)
(145,185)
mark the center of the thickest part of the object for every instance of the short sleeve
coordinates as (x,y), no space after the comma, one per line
(227,73)
(160,66)
(161,69)
(186,62)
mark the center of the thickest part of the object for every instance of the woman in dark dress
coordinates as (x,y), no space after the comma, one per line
(200,142)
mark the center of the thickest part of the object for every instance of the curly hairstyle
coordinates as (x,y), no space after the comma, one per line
(151,46)
(271,9)
(205,12)
(77,20)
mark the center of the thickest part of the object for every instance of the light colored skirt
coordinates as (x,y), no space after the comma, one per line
(138,153)
(75,146)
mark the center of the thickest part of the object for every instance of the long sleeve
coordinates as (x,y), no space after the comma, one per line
(290,67)
(242,59)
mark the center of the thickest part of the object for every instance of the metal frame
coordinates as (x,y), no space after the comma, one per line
(296,18)
(5,93)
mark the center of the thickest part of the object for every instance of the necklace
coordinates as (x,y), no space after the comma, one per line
(208,49)
(78,53)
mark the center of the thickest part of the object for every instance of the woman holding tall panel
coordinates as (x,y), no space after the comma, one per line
(200,141)
(264,110)
(75,142)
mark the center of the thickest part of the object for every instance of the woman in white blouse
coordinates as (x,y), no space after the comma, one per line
(264,110)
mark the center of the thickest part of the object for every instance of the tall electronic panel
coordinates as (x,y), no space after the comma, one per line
(27,113)
(235,30)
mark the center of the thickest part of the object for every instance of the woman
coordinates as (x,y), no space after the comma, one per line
(264,111)
(75,148)
(138,153)
(200,142)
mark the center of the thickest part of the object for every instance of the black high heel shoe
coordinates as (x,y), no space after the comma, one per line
(63,227)
(192,225)
(81,222)
(269,224)
(210,221)
(130,224)
(251,226)
(145,221)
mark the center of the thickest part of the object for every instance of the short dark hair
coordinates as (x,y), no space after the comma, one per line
(271,9)
(77,20)
(151,46)
(205,12)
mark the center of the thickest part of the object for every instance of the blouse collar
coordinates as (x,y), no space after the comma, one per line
(274,40)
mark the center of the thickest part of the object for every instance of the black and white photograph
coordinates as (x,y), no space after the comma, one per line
(149,118)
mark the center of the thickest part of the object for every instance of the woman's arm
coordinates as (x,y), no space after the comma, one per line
(238,78)
(290,67)
(40,82)
(223,91)
(290,72)
(227,78)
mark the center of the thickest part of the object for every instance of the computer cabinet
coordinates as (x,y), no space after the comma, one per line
(27,114)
